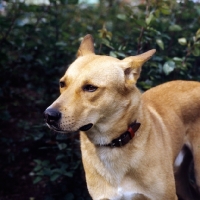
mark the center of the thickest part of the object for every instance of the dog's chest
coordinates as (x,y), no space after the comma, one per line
(125,193)
(114,168)
(126,186)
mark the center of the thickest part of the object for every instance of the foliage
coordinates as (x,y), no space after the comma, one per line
(166,26)
(36,45)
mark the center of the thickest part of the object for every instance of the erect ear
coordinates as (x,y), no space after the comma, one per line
(87,46)
(132,66)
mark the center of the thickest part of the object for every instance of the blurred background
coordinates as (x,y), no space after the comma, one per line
(38,40)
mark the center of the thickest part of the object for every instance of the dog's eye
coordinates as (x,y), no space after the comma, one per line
(89,88)
(62,84)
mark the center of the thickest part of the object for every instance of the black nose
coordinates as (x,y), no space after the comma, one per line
(51,116)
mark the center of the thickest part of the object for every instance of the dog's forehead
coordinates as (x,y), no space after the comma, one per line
(95,67)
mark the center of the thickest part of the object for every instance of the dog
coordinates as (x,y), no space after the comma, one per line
(131,143)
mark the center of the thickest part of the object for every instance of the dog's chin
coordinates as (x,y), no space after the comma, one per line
(86,127)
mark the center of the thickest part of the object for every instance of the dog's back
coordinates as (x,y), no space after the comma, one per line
(182,95)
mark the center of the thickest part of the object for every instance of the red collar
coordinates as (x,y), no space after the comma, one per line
(124,138)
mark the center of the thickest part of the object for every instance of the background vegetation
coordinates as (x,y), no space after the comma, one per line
(37,43)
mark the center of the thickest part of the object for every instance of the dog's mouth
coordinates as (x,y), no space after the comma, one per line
(55,128)
(86,127)
(58,130)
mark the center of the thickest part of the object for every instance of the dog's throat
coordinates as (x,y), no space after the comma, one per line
(124,138)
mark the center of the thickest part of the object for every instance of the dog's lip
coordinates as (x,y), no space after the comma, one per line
(58,130)
(55,128)
(86,127)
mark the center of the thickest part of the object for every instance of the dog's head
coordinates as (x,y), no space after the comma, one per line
(96,91)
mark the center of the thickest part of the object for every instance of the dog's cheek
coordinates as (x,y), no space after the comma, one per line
(111,105)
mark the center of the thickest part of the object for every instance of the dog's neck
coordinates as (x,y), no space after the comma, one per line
(112,127)
(124,138)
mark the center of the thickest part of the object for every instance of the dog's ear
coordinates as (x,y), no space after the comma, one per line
(132,66)
(87,46)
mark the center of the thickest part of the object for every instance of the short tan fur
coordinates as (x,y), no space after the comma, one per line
(101,91)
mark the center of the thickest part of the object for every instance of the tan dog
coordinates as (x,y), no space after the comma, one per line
(129,141)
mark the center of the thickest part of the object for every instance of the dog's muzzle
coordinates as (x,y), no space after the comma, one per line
(52,117)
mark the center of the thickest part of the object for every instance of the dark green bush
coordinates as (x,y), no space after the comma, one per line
(37,43)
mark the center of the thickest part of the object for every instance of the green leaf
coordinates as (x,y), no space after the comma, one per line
(106,42)
(40,173)
(60,156)
(165,10)
(37,168)
(37,179)
(182,41)
(69,174)
(61,43)
(160,43)
(157,13)
(198,34)
(196,51)
(177,59)
(38,161)
(54,177)
(62,146)
(121,54)
(45,163)
(47,172)
(169,67)
(64,166)
(140,22)
(121,16)
(113,54)
(149,18)
(57,171)
(197,44)
(175,27)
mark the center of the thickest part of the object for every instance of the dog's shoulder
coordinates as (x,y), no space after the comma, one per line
(172,89)
(180,97)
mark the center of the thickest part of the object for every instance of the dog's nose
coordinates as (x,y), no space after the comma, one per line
(51,116)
